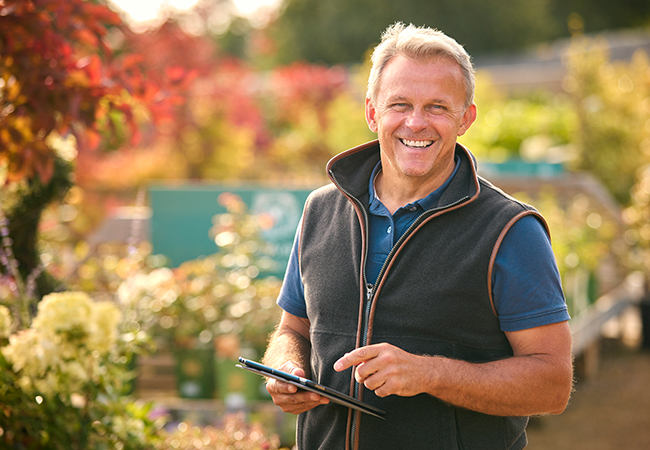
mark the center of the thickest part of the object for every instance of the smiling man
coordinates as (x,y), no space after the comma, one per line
(419,114)
(416,285)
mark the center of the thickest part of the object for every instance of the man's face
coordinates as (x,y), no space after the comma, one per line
(419,113)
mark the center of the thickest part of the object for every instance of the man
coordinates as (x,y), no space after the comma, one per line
(416,285)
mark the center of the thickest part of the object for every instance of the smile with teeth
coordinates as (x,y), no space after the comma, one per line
(416,144)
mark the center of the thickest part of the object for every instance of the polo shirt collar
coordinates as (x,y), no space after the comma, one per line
(428,202)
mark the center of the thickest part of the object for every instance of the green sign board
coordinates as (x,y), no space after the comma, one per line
(519,168)
(182,217)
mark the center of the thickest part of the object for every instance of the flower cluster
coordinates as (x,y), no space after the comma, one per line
(223,294)
(64,375)
(234,433)
(202,299)
(61,352)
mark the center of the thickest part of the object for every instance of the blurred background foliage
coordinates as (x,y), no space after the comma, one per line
(340,31)
(94,108)
(612,102)
(539,126)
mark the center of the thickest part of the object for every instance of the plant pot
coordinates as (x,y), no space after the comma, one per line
(234,383)
(195,373)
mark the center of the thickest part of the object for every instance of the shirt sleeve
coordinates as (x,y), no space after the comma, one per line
(527,288)
(292,293)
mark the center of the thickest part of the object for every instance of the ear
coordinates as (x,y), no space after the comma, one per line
(371,115)
(468,119)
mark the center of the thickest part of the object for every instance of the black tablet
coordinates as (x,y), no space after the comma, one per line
(309,385)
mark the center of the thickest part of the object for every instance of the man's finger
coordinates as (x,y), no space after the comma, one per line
(354,358)
(280,387)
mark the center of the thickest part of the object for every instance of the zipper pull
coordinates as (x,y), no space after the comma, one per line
(369,288)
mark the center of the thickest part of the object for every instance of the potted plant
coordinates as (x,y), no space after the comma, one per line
(186,308)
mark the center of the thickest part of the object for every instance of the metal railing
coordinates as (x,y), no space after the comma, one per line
(586,327)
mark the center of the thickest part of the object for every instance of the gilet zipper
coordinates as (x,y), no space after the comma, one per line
(372,289)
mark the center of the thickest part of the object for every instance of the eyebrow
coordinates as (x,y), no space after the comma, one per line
(399,98)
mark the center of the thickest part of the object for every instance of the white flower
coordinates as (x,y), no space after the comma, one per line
(133,289)
(5,322)
(65,314)
(25,354)
(21,351)
(160,276)
(59,353)
(77,400)
(77,372)
(103,330)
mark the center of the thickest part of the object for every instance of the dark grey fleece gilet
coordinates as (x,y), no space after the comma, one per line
(432,298)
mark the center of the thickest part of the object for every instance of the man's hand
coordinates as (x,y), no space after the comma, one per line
(288,351)
(386,369)
(288,397)
(537,379)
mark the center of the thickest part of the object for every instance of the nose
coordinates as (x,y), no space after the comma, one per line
(416,120)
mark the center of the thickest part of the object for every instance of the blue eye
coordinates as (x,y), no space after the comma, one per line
(438,108)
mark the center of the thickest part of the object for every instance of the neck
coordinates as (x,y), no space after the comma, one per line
(397,191)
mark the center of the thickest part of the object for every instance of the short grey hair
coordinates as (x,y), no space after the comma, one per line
(420,44)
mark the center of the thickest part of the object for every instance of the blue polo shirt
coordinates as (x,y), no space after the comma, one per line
(527,290)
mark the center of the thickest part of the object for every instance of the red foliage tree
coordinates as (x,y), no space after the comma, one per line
(59,75)
(302,86)
(225,80)
(222,97)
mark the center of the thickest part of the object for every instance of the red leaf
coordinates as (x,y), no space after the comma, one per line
(89,139)
(175,73)
(94,70)
(85,36)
